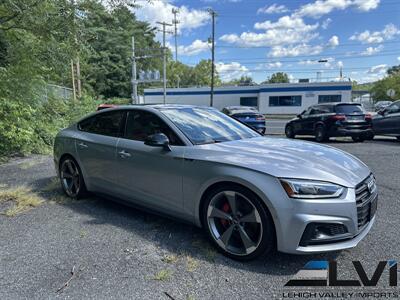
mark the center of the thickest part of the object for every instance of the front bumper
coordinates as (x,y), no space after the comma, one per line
(301,212)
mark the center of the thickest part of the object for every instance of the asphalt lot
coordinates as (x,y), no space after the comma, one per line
(116,251)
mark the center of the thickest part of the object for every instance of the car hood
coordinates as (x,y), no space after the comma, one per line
(287,158)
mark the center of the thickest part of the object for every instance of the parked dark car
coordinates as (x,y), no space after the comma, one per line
(247,115)
(332,120)
(387,121)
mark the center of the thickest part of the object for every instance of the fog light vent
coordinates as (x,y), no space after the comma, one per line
(323,233)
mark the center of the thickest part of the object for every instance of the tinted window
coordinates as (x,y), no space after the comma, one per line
(248,101)
(393,108)
(349,109)
(329,98)
(207,125)
(141,124)
(285,101)
(105,124)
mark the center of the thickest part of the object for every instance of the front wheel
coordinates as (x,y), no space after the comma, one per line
(71,178)
(237,223)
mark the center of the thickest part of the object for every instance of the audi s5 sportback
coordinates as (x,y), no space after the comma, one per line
(250,193)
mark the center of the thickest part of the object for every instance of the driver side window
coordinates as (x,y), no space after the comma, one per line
(141,124)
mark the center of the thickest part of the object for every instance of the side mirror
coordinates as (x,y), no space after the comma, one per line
(381,112)
(158,140)
(300,116)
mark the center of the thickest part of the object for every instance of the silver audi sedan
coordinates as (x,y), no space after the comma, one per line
(250,193)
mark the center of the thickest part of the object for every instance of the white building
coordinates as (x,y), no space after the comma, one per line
(279,98)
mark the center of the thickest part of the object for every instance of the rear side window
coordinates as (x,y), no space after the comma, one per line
(349,109)
(109,124)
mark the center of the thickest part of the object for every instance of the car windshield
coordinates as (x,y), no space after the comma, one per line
(349,109)
(207,125)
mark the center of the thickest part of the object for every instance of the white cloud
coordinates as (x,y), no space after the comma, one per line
(367,37)
(398,58)
(379,69)
(340,64)
(325,23)
(194,48)
(273,9)
(322,7)
(333,41)
(372,50)
(301,49)
(366,5)
(286,31)
(271,65)
(231,70)
(161,11)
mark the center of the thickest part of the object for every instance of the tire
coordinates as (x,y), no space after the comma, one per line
(369,137)
(71,178)
(242,236)
(358,139)
(320,134)
(398,138)
(289,132)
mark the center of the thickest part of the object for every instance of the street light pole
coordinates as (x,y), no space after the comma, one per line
(164,24)
(134,76)
(213,14)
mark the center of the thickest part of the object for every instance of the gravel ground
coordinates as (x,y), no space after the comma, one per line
(116,251)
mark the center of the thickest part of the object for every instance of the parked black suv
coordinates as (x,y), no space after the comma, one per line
(331,120)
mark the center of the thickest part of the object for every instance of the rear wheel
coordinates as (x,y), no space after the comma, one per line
(369,136)
(320,134)
(358,139)
(289,132)
(71,178)
(398,138)
(237,223)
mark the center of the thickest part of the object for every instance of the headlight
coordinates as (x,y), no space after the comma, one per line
(307,189)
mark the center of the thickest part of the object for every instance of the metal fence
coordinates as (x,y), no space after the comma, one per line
(58,91)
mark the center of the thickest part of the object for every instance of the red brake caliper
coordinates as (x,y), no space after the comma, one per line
(225,208)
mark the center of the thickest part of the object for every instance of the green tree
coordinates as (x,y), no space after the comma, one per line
(279,77)
(243,80)
(380,88)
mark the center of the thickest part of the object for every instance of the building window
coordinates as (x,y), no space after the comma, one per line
(285,101)
(329,98)
(248,101)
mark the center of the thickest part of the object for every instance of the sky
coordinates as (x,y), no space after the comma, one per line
(260,37)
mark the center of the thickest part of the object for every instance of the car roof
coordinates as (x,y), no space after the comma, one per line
(338,103)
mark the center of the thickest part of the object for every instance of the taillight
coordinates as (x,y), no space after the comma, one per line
(338,117)
(260,118)
(368,117)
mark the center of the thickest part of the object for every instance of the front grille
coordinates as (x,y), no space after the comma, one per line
(366,194)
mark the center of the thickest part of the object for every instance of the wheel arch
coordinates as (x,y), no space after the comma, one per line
(243,184)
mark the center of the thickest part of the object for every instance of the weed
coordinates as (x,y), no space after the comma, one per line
(52,185)
(170,258)
(22,197)
(163,275)
(191,263)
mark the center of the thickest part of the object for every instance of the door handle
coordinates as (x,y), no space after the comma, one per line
(82,145)
(124,154)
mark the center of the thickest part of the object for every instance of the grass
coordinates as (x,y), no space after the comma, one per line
(52,185)
(163,275)
(170,258)
(27,165)
(22,197)
(191,263)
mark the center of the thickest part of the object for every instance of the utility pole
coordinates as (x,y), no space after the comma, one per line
(175,11)
(213,14)
(73,80)
(164,24)
(134,76)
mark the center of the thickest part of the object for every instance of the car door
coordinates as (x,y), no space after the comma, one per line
(96,147)
(312,118)
(393,118)
(299,125)
(389,121)
(146,174)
